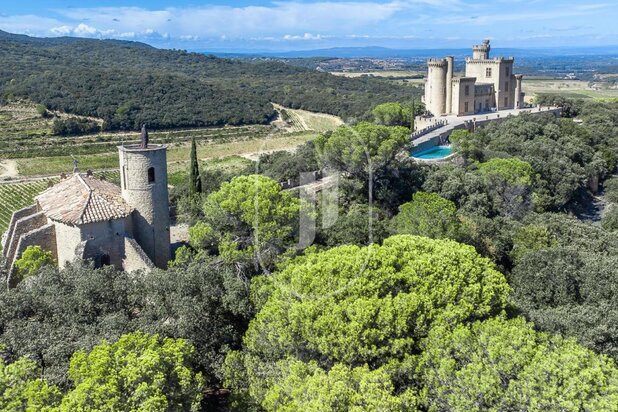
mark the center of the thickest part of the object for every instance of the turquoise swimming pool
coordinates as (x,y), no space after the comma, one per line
(435,153)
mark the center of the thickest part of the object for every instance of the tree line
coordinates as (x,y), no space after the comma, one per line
(127,84)
(466,286)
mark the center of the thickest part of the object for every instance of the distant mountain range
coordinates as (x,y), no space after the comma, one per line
(384,52)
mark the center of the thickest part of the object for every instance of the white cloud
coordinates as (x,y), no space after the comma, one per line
(83,30)
(61,30)
(245,22)
(310,23)
(306,36)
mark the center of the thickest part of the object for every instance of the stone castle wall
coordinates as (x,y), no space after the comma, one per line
(435,88)
(463,104)
(444,95)
(501,74)
(44,236)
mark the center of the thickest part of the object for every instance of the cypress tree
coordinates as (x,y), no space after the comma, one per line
(195,182)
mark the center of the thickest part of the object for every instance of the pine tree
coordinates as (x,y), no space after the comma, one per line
(195,183)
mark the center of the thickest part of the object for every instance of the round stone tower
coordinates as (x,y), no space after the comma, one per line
(435,88)
(449,84)
(519,101)
(143,181)
(481,51)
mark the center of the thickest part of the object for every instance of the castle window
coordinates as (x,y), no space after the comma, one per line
(488,72)
(124,176)
(467,90)
(151,175)
(466,107)
(506,86)
(506,101)
(508,72)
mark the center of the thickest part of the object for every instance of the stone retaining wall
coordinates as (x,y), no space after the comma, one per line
(21,213)
(21,227)
(135,258)
(44,236)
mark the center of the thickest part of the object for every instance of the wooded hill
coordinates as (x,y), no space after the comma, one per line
(129,83)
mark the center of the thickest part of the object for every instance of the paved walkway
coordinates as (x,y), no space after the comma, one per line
(455,121)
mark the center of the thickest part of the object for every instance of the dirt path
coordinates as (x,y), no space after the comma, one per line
(8,169)
(255,156)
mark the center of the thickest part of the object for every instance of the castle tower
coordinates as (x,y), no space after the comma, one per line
(143,181)
(519,96)
(435,88)
(481,51)
(449,85)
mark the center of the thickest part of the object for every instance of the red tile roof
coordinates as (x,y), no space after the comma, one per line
(83,199)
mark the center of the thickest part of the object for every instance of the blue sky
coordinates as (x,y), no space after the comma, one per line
(302,25)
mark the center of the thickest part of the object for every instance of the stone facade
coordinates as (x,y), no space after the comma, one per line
(85,218)
(44,236)
(135,258)
(435,88)
(102,242)
(463,95)
(18,214)
(488,85)
(143,181)
(22,226)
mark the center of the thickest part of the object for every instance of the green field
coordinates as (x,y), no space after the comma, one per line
(15,196)
(177,153)
(26,140)
(26,137)
(578,89)
(26,146)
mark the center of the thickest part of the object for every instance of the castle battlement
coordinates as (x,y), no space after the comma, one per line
(489,61)
(464,79)
(437,62)
(498,88)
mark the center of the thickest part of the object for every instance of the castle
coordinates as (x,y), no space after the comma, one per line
(488,85)
(82,217)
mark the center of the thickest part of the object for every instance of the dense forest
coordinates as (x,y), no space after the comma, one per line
(465,286)
(127,84)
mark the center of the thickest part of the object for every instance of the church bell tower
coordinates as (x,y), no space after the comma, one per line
(143,181)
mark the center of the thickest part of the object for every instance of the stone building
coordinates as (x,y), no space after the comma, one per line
(83,217)
(487,85)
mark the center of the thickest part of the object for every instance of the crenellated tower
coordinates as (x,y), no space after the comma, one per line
(435,87)
(481,51)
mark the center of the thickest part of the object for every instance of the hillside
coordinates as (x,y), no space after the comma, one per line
(129,83)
